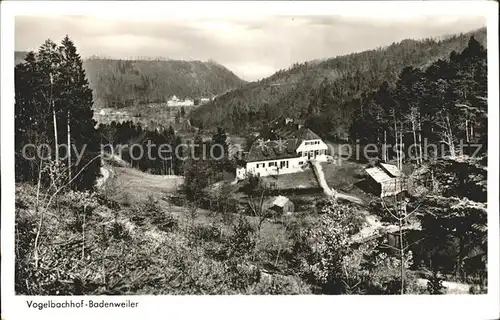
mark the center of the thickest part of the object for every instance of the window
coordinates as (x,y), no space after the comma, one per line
(283,164)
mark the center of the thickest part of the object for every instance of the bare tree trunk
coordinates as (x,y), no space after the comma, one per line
(35,245)
(83,233)
(459,260)
(420,149)
(69,146)
(385,146)
(432,179)
(415,138)
(51,104)
(401,147)
(402,252)
(467,129)
(56,143)
(396,141)
(451,145)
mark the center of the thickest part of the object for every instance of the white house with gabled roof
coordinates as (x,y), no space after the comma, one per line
(283,156)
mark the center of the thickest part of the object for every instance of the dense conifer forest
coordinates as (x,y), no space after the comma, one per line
(326,93)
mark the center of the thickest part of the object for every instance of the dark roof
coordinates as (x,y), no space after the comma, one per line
(300,134)
(391,169)
(306,134)
(273,150)
(384,172)
(378,174)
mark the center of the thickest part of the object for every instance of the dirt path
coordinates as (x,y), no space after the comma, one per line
(330,192)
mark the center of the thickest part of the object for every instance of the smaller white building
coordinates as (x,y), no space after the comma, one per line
(280,204)
(176,102)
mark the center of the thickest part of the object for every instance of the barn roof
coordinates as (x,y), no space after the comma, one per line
(378,174)
(384,172)
(392,170)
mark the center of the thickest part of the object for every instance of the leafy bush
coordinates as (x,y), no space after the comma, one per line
(435,284)
(150,212)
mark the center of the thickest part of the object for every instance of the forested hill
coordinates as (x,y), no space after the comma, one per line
(121,83)
(299,92)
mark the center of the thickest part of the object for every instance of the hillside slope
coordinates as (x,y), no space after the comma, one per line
(123,83)
(298,91)
(119,83)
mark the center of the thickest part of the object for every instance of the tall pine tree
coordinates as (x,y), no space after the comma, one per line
(79,125)
(54,106)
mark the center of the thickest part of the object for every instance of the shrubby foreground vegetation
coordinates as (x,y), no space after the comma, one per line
(90,245)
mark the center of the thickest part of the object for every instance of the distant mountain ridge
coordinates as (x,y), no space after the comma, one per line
(293,92)
(121,83)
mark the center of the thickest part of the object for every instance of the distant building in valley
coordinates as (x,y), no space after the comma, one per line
(176,102)
(108,115)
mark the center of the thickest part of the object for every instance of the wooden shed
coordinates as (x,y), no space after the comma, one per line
(387,180)
(280,204)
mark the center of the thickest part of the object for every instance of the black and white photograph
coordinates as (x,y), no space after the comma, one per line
(249,152)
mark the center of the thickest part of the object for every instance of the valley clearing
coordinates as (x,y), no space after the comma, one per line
(134,185)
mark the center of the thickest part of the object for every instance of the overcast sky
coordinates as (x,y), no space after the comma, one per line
(252,48)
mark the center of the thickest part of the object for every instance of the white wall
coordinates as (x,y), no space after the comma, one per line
(294,165)
(308,145)
(185,103)
(241,173)
(317,150)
